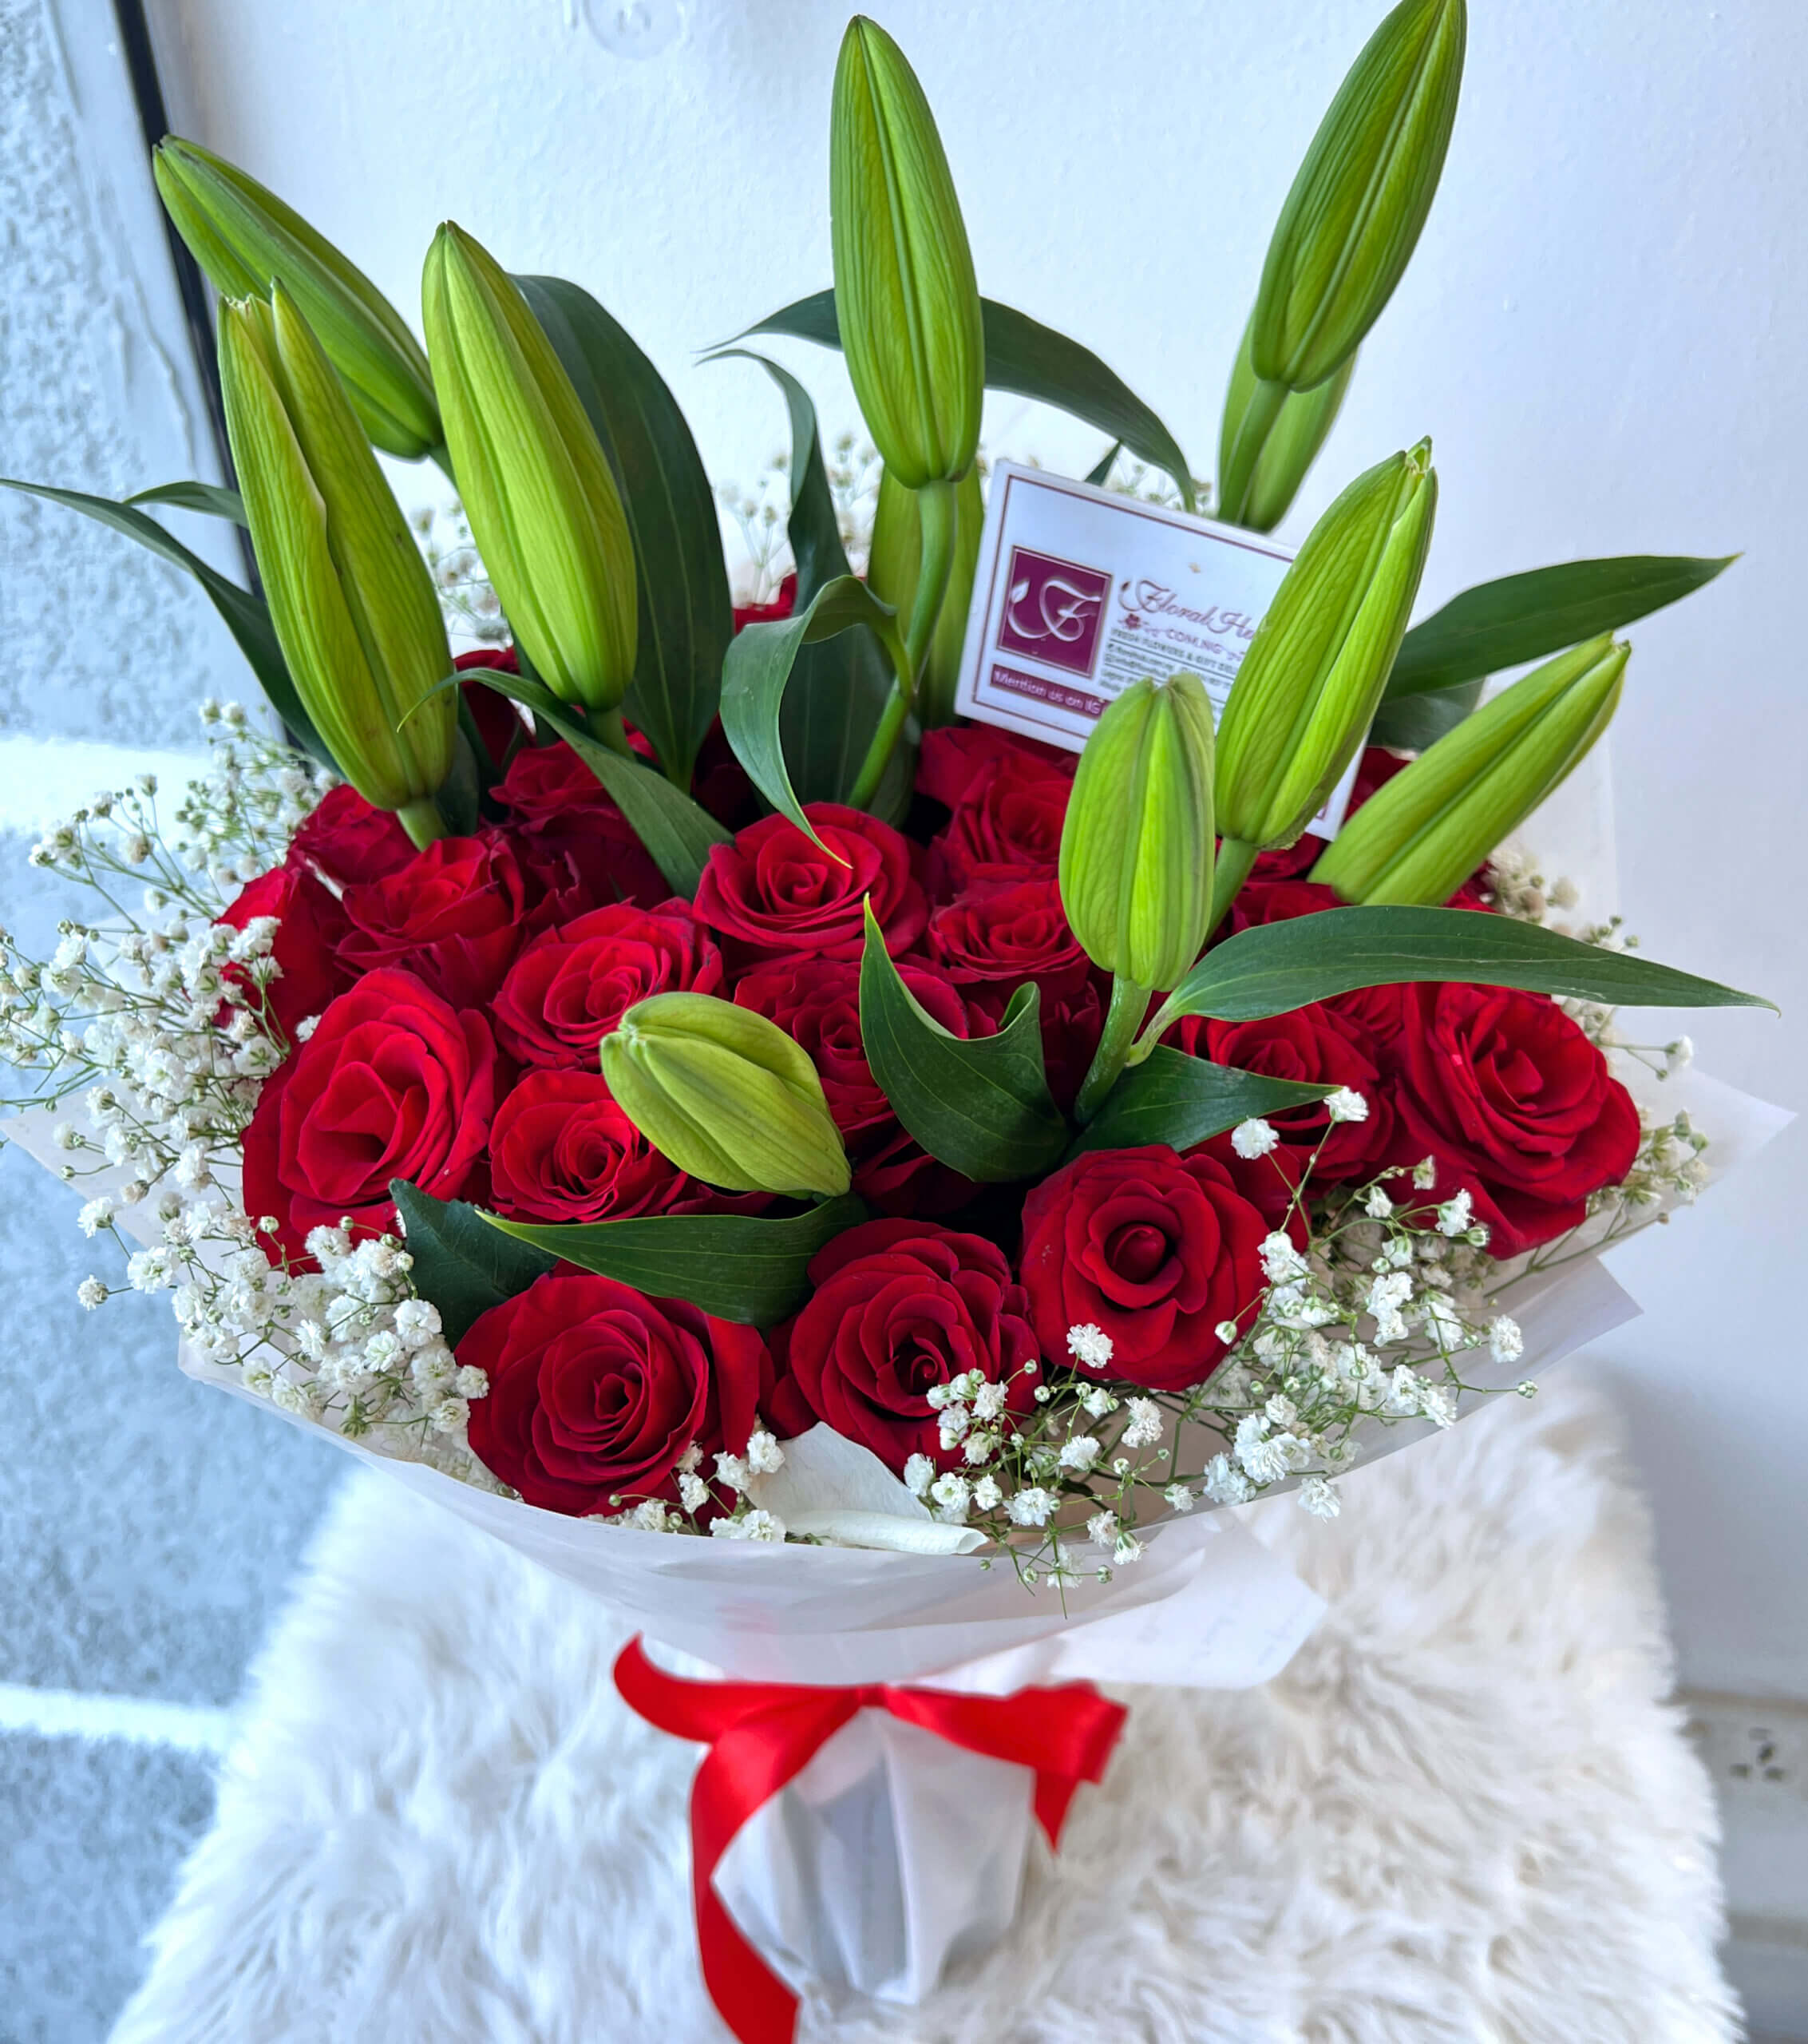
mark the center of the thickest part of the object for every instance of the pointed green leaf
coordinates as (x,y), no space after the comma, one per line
(1180,1100)
(737,1266)
(1411,724)
(758,668)
(981,1104)
(1277,967)
(460,1266)
(207,498)
(1033,361)
(1099,474)
(677,833)
(686,618)
(1522,617)
(246,616)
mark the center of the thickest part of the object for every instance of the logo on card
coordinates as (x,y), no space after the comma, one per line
(1055,611)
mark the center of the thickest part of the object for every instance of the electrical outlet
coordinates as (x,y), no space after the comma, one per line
(1754,1750)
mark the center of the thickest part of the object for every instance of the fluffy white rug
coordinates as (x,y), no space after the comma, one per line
(1465,1815)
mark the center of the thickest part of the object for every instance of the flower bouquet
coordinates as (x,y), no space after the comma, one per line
(667,1075)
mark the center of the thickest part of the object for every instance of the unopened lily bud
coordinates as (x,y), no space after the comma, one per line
(1416,840)
(905,296)
(245,239)
(1137,846)
(535,482)
(1308,686)
(891,571)
(1353,217)
(1299,431)
(350,598)
(725,1094)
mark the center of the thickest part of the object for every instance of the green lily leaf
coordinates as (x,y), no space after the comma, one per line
(1099,474)
(1411,723)
(737,1266)
(981,1105)
(1032,361)
(1180,1100)
(759,667)
(686,618)
(677,833)
(1523,617)
(246,616)
(461,1265)
(1277,967)
(207,498)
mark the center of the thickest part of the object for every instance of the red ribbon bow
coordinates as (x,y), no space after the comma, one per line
(762,1734)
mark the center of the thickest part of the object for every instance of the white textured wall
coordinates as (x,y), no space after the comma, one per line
(1602,328)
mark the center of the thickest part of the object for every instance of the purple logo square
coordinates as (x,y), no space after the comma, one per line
(1054,611)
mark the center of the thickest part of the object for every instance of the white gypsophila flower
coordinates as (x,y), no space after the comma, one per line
(1376,1204)
(1031,1506)
(763,1454)
(1281,1262)
(1267,1457)
(67,1136)
(693,1492)
(96,1215)
(1387,1296)
(1098,1402)
(417,1323)
(1505,1339)
(1318,1497)
(954,1420)
(733,1471)
(951,1496)
(449,1415)
(1102,1528)
(1425,1173)
(978,1447)
(1227,1331)
(757,1525)
(91,1293)
(1436,1403)
(919,1474)
(986,1495)
(1225,1483)
(1280,1411)
(1253,1138)
(1457,1214)
(1078,1453)
(989,1401)
(1180,1498)
(1345,1105)
(1089,1345)
(691,1458)
(471,1383)
(654,1515)
(1127,1549)
(1145,1428)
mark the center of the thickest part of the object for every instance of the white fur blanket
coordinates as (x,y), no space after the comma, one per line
(1465,1815)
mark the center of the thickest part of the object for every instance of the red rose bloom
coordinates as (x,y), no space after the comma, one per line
(453,916)
(311,926)
(1010,931)
(500,724)
(1279,902)
(900,1307)
(561,1149)
(394,1083)
(560,811)
(1006,826)
(719,782)
(1313,1045)
(1154,1249)
(781,606)
(1515,1103)
(956,757)
(774,891)
(595,1391)
(571,985)
(350,842)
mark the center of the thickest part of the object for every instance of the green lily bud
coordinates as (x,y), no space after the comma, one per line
(350,598)
(244,238)
(1416,840)
(536,484)
(904,289)
(1137,846)
(1299,429)
(725,1094)
(1308,686)
(1353,217)
(891,572)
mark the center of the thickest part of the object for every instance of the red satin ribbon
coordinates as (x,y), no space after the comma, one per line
(762,1734)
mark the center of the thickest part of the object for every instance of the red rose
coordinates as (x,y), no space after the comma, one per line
(453,916)
(349,841)
(720,783)
(900,1307)
(1515,1103)
(1315,1045)
(781,606)
(1073,1019)
(1154,1249)
(774,891)
(1279,902)
(561,1149)
(1006,826)
(1268,1183)
(955,757)
(570,985)
(560,809)
(595,1391)
(394,1083)
(1010,931)
(311,926)
(499,724)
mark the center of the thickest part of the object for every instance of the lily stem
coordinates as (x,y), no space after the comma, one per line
(1129,1003)
(423,822)
(1235,861)
(935,504)
(1259,421)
